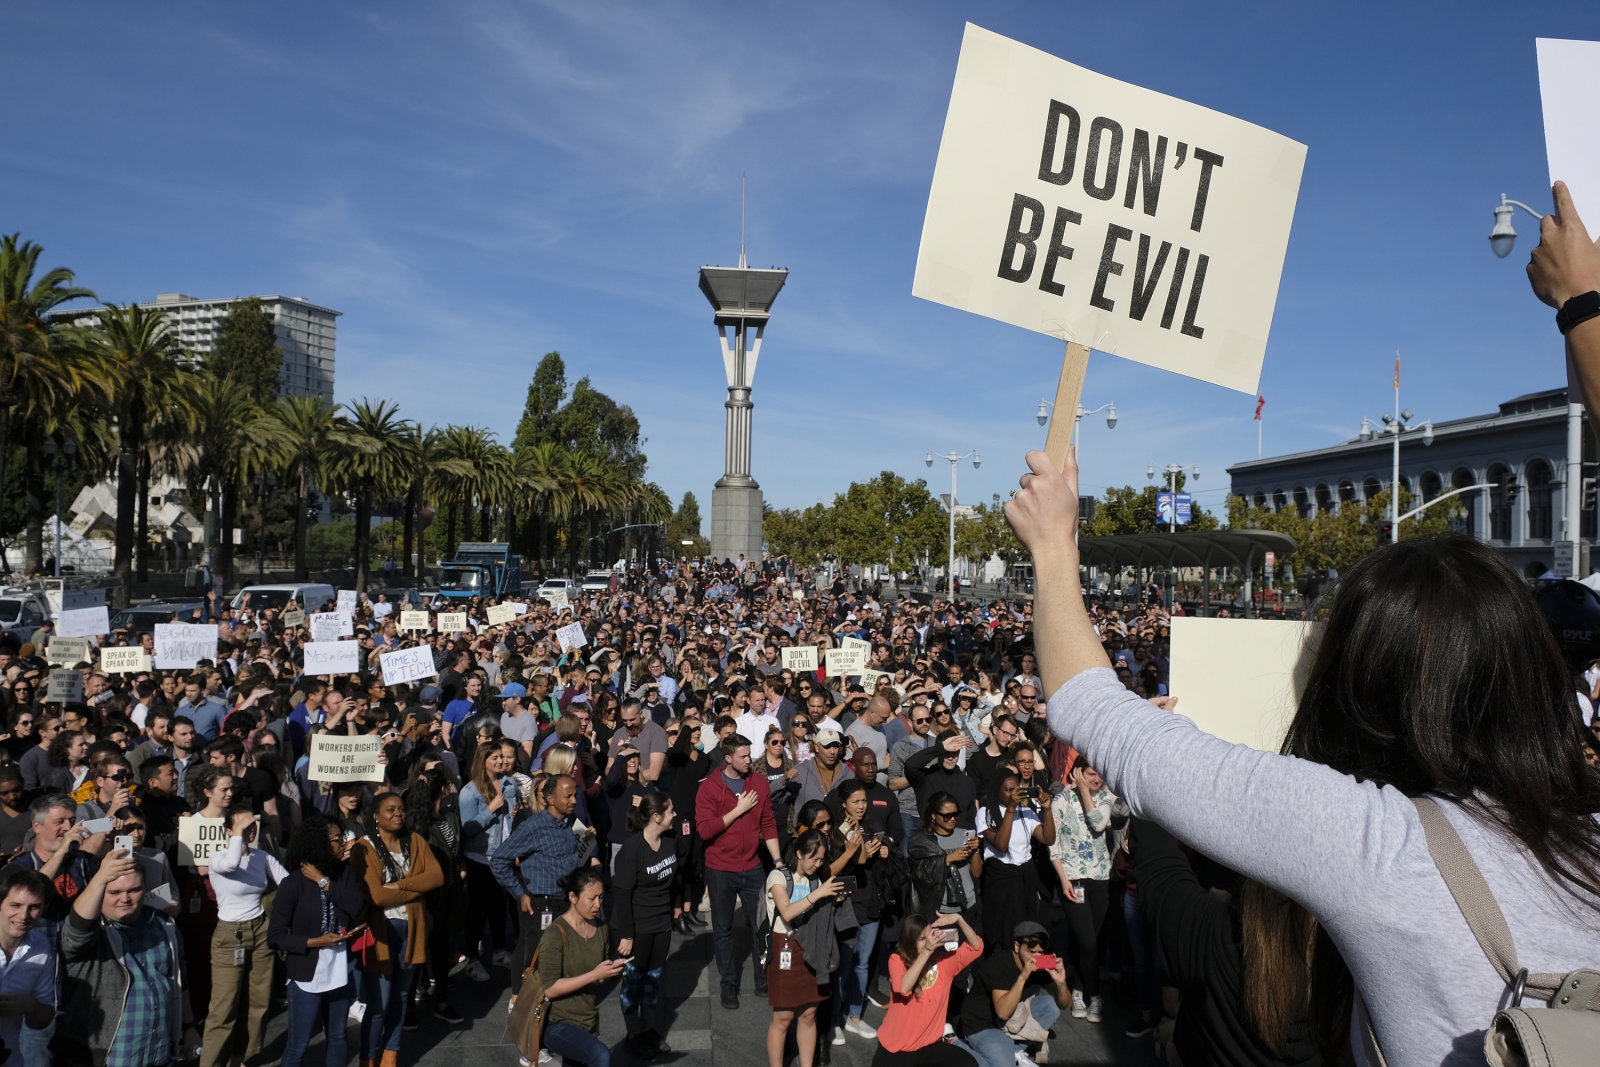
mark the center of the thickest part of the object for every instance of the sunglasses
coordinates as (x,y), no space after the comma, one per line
(121,776)
(775,741)
(920,722)
(944,814)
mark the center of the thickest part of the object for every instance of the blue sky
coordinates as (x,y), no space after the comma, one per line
(476,183)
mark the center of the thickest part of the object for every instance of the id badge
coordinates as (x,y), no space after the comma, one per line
(239,956)
(785,960)
(686,828)
(544,920)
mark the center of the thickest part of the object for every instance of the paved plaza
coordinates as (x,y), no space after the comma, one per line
(700,1030)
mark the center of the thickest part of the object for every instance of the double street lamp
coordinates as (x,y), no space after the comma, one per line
(60,459)
(1110,408)
(950,564)
(1396,424)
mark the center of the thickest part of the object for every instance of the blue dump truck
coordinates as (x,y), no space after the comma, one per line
(481,568)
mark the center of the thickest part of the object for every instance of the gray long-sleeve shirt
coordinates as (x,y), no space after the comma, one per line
(1352,853)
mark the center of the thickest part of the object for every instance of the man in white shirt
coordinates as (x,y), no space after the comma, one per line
(27,964)
(755,720)
(240,876)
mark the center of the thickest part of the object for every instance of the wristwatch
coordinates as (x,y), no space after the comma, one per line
(322,883)
(1576,310)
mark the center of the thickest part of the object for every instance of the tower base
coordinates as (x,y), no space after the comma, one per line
(736,514)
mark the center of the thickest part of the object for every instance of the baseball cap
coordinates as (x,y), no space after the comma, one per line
(429,694)
(1029,928)
(829,736)
(514,689)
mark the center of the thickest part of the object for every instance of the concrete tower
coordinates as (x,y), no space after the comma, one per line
(742,300)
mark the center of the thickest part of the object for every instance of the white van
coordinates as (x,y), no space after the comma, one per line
(309,595)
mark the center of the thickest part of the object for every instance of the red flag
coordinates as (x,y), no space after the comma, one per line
(1397,368)
(1261,402)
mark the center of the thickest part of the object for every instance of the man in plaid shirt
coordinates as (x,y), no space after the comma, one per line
(548,849)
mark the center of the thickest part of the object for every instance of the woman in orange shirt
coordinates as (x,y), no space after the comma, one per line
(921,971)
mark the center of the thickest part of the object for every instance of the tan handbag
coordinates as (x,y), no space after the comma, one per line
(1564,1034)
(528,1014)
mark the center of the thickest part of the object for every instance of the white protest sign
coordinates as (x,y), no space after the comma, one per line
(199,837)
(408,665)
(415,620)
(1098,212)
(327,626)
(452,622)
(1239,679)
(572,636)
(557,598)
(1569,82)
(66,651)
(333,657)
(864,647)
(842,662)
(181,646)
(803,658)
(83,622)
(124,660)
(294,618)
(66,687)
(799,594)
(346,602)
(500,614)
(522,608)
(345,759)
(871,678)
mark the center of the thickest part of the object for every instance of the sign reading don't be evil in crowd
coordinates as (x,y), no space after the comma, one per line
(1099,212)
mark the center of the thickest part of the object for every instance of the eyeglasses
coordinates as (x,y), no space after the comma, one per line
(822,826)
(1028,696)
(920,722)
(775,741)
(944,814)
(120,776)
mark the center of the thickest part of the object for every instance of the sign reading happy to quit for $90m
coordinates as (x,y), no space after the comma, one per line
(1099,212)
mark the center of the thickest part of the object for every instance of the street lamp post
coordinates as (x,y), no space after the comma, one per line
(60,456)
(950,566)
(1172,471)
(1501,240)
(264,487)
(1110,408)
(1396,424)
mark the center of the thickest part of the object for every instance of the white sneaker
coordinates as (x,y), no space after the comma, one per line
(476,971)
(838,1036)
(860,1028)
(1079,1009)
(1093,1014)
(358,1011)
(1025,1060)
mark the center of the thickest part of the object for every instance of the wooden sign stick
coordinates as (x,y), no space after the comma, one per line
(1069,390)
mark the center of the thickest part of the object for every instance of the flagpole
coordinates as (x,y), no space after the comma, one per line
(1258,436)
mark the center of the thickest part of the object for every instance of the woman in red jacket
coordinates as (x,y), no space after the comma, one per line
(920,974)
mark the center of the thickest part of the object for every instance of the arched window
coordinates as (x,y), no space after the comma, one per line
(1499,503)
(1541,509)
(1302,501)
(1279,500)
(1463,510)
(1432,485)
(1370,489)
(1261,500)
(1347,492)
(1324,498)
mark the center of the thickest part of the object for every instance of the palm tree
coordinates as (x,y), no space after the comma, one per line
(231,439)
(307,423)
(142,359)
(486,481)
(539,474)
(368,460)
(39,371)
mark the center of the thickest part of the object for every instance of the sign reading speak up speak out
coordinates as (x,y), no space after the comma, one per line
(1095,211)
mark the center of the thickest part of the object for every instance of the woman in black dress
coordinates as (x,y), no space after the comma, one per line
(641,894)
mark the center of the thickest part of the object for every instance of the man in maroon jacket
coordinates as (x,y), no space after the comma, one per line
(733,812)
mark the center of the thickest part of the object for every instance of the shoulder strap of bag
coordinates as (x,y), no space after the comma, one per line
(1476,901)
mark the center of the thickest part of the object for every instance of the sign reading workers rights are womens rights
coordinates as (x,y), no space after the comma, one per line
(1101,213)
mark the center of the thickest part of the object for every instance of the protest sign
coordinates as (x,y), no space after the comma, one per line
(799,594)
(1107,215)
(572,636)
(327,626)
(346,603)
(557,598)
(66,651)
(802,658)
(522,608)
(842,662)
(500,614)
(294,618)
(415,620)
(864,647)
(1239,679)
(345,759)
(181,645)
(123,660)
(83,622)
(333,657)
(871,678)
(199,837)
(1569,82)
(452,622)
(66,687)
(408,665)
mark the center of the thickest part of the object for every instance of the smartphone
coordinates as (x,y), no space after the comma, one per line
(849,883)
(122,843)
(971,834)
(1031,792)
(952,937)
(356,931)
(99,826)
(1045,961)
(881,837)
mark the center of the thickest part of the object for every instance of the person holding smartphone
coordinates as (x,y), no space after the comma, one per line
(1081,858)
(1017,997)
(1008,826)
(572,963)
(314,916)
(924,965)
(803,949)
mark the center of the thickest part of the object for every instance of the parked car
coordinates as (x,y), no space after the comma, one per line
(599,582)
(142,618)
(311,596)
(22,613)
(558,585)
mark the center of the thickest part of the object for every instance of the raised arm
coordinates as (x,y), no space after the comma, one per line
(1566,264)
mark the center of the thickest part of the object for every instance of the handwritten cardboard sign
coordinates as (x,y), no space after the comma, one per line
(871,678)
(801,658)
(408,665)
(556,597)
(66,687)
(345,759)
(843,662)
(345,604)
(294,617)
(181,646)
(199,837)
(83,622)
(500,614)
(864,647)
(333,657)
(67,651)
(327,626)
(1099,212)
(572,636)
(124,660)
(452,622)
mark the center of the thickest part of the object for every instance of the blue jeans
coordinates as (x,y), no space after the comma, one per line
(994,1047)
(574,1044)
(726,887)
(307,1011)
(1146,954)
(386,998)
(851,993)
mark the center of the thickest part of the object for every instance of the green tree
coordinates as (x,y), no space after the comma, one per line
(1133,511)
(368,463)
(1328,540)
(888,520)
(545,395)
(307,423)
(231,439)
(592,423)
(247,349)
(685,525)
(988,534)
(808,537)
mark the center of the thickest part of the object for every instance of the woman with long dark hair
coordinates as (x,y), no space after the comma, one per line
(572,961)
(802,898)
(921,971)
(945,864)
(314,914)
(852,838)
(644,874)
(432,814)
(687,767)
(1434,676)
(1008,826)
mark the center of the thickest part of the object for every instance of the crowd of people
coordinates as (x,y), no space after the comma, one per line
(586,805)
